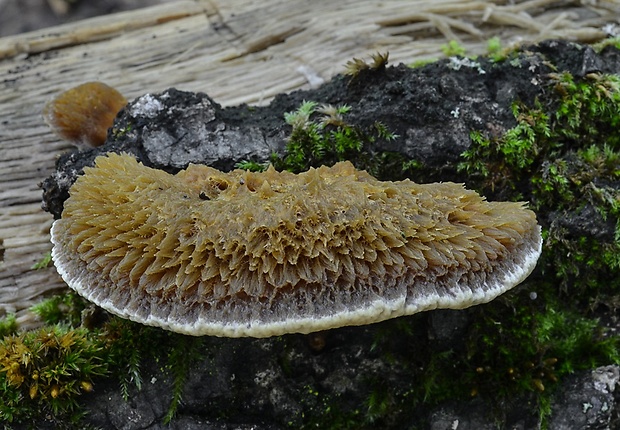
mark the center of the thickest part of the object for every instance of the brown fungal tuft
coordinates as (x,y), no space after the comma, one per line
(82,115)
(259,254)
(355,66)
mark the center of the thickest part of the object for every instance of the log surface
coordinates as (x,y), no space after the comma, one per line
(237,51)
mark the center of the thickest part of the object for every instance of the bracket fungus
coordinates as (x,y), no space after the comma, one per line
(83,114)
(260,254)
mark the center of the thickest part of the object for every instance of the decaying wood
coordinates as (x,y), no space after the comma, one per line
(236,51)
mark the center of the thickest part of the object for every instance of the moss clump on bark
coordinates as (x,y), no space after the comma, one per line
(564,157)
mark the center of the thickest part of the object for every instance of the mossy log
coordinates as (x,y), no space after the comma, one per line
(237,52)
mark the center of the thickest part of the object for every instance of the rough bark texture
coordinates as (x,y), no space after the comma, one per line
(433,109)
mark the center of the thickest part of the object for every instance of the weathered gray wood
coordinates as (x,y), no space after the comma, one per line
(236,51)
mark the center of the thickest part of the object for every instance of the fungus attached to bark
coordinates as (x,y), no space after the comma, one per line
(259,254)
(82,115)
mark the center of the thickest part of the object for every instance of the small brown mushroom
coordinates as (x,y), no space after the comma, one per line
(260,254)
(82,115)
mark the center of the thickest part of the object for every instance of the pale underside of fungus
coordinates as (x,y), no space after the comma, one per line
(260,254)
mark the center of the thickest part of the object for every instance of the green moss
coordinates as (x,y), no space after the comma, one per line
(534,348)
(453,48)
(61,309)
(379,403)
(184,353)
(502,162)
(321,135)
(494,49)
(613,42)
(588,110)
(516,347)
(8,325)
(127,351)
(43,372)
(558,145)
(495,52)
(562,156)
(120,132)
(46,261)
(422,62)
(252,166)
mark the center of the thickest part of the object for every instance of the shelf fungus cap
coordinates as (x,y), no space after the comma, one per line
(82,115)
(260,254)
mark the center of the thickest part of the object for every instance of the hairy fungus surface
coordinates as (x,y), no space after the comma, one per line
(259,254)
(82,115)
